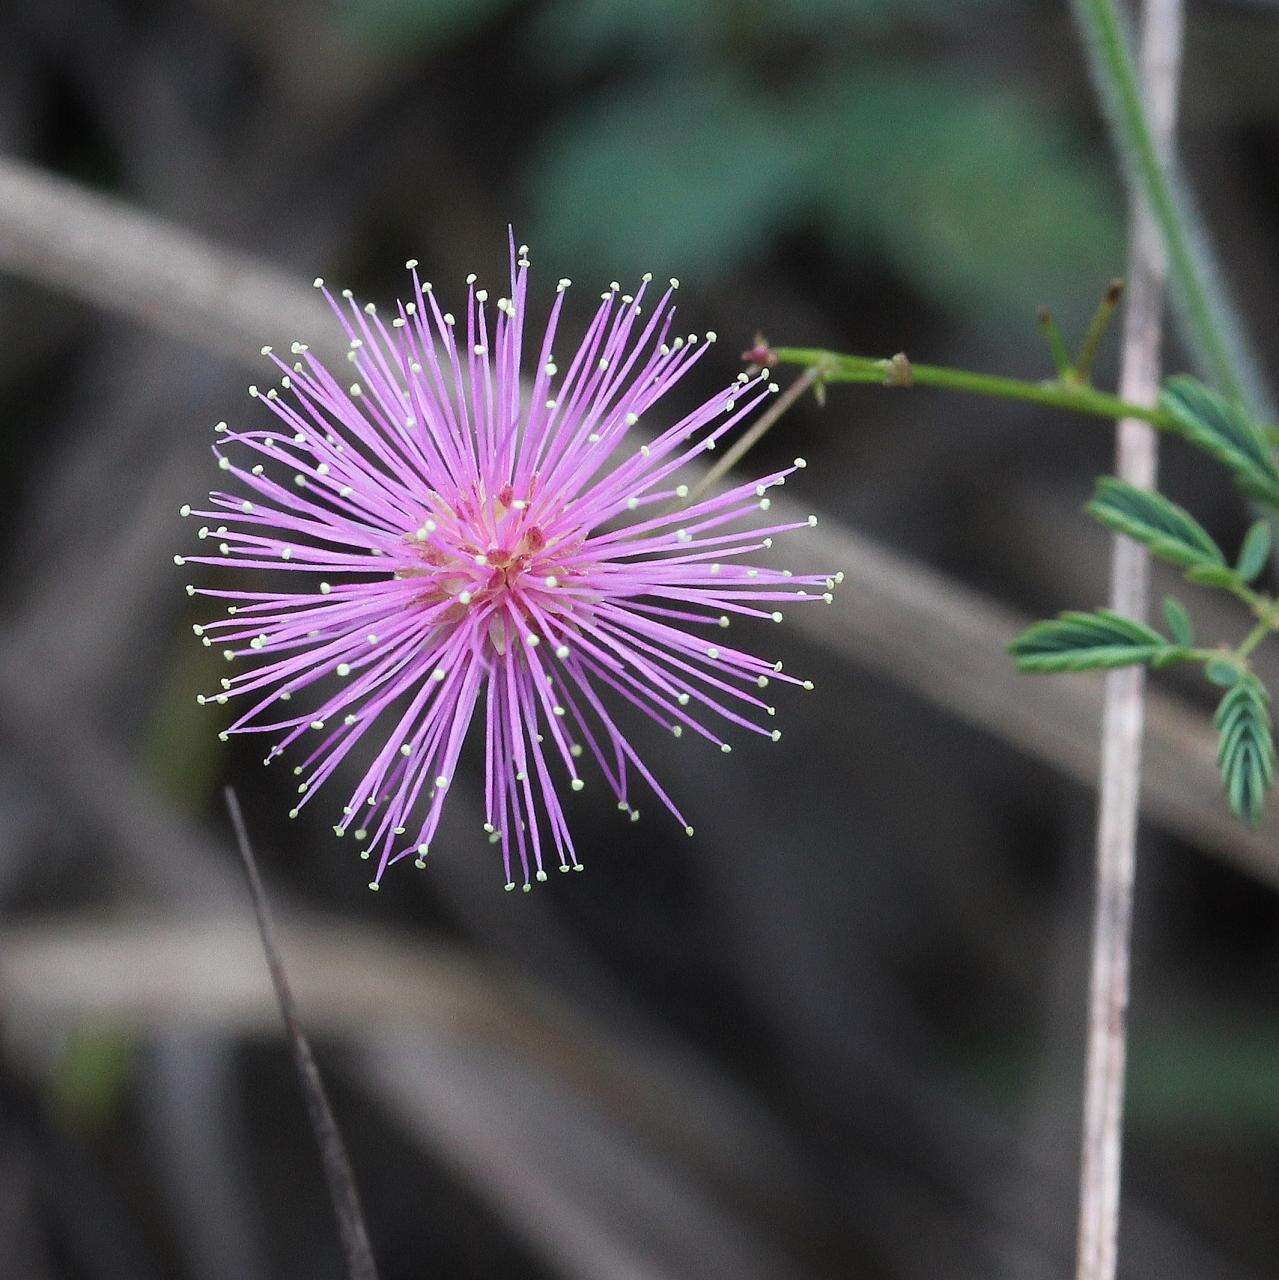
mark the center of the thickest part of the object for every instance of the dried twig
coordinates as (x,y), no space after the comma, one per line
(1123,718)
(100,250)
(755,432)
(337,1164)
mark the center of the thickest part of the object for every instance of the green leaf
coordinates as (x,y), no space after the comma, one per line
(1213,575)
(1179,625)
(1254,552)
(1245,750)
(1223,430)
(1221,672)
(971,192)
(1170,532)
(1087,641)
(572,36)
(687,175)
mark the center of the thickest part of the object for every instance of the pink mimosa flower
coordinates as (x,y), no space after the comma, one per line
(453,543)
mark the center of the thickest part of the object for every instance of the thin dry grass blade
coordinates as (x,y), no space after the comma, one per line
(337,1164)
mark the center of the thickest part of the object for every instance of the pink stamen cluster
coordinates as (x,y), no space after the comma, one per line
(466,544)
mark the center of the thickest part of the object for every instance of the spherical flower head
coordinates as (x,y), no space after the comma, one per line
(455,538)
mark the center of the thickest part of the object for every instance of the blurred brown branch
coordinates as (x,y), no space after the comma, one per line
(99,250)
(463,1054)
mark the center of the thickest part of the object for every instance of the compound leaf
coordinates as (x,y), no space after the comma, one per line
(1088,641)
(1246,750)
(1169,531)
(1222,429)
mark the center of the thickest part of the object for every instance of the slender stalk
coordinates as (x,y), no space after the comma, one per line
(1123,715)
(1054,394)
(337,1164)
(1056,347)
(749,438)
(1209,317)
(1254,638)
(1082,369)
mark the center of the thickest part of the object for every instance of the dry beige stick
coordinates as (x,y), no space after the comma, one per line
(1124,713)
(102,251)
(751,436)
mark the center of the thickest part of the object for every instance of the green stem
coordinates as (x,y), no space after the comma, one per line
(1056,347)
(1254,638)
(1202,656)
(1267,611)
(1056,394)
(1097,330)
(1117,77)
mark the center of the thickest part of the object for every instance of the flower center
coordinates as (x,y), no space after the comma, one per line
(464,566)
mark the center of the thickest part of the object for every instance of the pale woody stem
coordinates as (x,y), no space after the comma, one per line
(1124,711)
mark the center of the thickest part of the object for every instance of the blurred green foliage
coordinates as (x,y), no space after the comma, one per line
(1206,1076)
(687,137)
(180,750)
(592,31)
(982,201)
(422,23)
(978,200)
(91,1074)
(687,176)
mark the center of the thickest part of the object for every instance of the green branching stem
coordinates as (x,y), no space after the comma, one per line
(1055,393)
(1266,610)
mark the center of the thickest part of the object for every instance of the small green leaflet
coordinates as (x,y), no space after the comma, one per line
(1087,641)
(1213,575)
(1170,532)
(1254,552)
(1246,750)
(1178,620)
(1221,672)
(1222,429)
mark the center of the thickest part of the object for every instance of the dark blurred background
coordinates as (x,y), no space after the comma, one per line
(840,1032)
